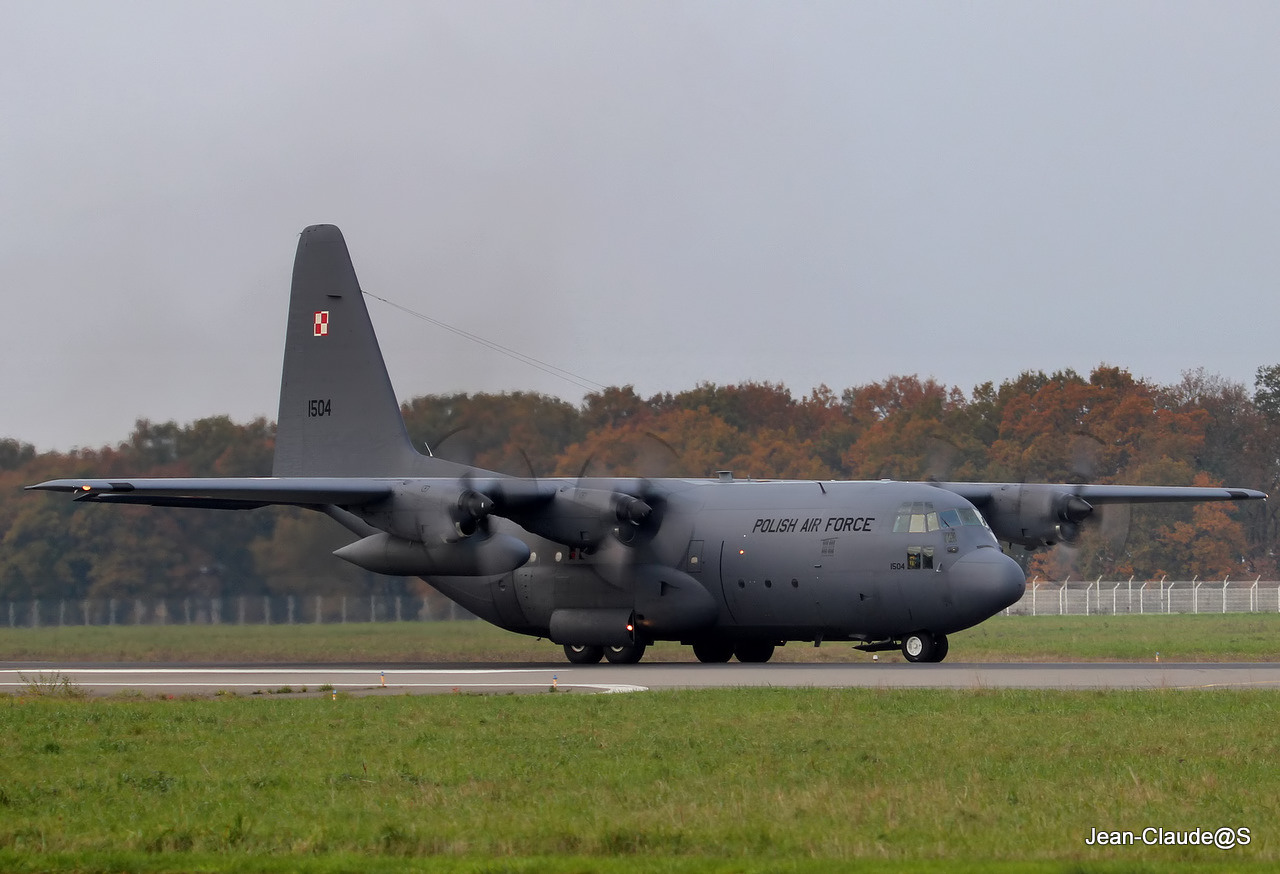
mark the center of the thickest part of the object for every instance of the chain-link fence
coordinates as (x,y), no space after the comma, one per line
(236,610)
(1109,597)
(1042,598)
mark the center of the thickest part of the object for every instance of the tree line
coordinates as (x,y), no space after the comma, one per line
(1108,427)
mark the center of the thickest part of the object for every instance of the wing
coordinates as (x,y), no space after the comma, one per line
(1041,514)
(509,495)
(982,493)
(225,493)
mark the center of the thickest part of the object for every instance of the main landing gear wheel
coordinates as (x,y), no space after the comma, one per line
(625,655)
(583,655)
(924,647)
(753,651)
(713,652)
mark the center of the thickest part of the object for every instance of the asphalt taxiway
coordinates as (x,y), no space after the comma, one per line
(503,679)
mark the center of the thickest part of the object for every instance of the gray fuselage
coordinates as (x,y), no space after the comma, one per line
(787,560)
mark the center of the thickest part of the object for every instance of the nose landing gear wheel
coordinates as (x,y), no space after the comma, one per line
(625,655)
(583,655)
(924,647)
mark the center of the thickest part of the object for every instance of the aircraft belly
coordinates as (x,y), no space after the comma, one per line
(507,602)
(492,599)
(536,601)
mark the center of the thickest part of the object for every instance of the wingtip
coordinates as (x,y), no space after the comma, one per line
(52,485)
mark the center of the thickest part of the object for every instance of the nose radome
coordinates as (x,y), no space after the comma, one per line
(988,580)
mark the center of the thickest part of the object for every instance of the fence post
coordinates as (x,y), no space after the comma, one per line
(1034,585)
(1253,596)
(1114,590)
(1195,598)
(1224,592)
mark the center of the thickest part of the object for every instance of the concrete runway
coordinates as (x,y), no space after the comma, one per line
(501,679)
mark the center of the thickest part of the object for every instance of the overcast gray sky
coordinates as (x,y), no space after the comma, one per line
(647,193)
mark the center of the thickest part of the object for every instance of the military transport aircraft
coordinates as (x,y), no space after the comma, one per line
(607,566)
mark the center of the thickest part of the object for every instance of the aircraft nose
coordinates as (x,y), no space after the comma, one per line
(988,581)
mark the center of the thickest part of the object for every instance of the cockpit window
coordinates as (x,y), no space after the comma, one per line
(919,517)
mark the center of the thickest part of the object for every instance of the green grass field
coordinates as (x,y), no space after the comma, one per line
(747,780)
(723,780)
(1206,637)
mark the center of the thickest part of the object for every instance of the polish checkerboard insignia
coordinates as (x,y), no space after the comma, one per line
(321,325)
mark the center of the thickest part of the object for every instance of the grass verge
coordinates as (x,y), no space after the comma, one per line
(720,780)
(1176,637)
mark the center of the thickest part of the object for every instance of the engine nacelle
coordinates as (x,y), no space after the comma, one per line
(584,517)
(471,557)
(431,512)
(1036,515)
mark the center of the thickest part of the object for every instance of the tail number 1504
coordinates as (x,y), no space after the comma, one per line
(319,408)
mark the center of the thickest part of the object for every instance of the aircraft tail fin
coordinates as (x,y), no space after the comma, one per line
(338,412)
